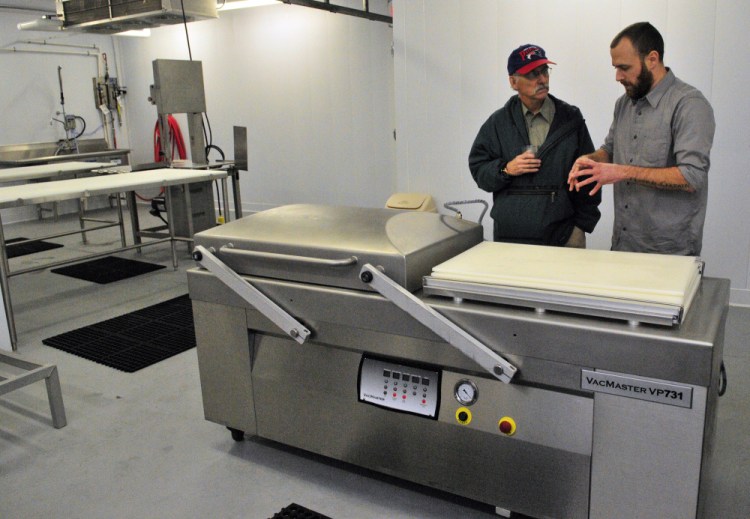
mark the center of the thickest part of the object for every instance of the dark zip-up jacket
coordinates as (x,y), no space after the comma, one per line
(535,208)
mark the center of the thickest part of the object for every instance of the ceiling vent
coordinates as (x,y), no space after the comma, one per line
(113,16)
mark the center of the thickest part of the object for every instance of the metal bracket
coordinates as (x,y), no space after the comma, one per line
(495,365)
(280,317)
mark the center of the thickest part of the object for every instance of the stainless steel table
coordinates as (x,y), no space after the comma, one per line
(82,188)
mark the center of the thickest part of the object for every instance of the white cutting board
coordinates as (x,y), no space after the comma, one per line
(654,278)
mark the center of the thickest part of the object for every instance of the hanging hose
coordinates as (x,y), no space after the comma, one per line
(84,125)
(210,147)
(176,142)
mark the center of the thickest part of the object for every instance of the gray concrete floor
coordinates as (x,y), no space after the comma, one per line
(136,445)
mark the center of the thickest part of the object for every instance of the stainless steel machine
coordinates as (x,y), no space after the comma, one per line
(325,329)
(178,88)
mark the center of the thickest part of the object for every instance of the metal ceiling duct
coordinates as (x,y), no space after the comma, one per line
(113,16)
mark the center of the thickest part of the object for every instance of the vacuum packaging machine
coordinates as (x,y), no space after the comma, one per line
(553,383)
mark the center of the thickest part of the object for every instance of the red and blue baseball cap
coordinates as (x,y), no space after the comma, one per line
(526,58)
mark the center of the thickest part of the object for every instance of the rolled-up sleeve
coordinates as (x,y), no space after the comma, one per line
(693,128)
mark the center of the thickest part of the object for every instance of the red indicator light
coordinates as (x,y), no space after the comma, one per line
(404,397)
(505,427)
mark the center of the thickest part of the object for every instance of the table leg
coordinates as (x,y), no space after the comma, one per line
(81,222)
(134,221)
(4,281)
(120,222)
(235,173)
(225,197)
(170,226)
(54,394)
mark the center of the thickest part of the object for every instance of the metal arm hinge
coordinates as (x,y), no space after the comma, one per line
(250,294)
(495,365)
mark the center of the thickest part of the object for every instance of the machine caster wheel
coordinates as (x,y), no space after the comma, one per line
(237,435)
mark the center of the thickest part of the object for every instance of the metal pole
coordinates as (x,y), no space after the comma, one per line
(170,225)
(235,173)
(225,196)
(121,224)
(4,270)
(135,223)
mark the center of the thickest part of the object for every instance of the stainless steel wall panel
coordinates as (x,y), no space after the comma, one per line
(646,458)
(224,360)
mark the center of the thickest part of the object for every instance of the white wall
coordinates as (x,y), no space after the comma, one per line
(30,90)
(450,76)
(314,89)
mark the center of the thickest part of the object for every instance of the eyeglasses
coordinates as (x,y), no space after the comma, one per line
(544,70)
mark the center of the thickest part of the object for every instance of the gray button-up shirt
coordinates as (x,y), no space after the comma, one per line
(671,126)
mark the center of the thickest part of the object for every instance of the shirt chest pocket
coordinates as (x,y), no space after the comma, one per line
(655,148)
(651,136)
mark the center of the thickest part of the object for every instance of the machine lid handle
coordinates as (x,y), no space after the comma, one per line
(323,262)
(451,333)
(280,317)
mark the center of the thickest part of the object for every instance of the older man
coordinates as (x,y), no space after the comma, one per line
(657,152)
(522,155)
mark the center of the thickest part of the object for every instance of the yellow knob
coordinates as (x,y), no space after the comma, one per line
(463,415)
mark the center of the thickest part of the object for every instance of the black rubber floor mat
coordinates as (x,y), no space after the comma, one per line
(107,270)
(295,511)
(16,249)
(136,340)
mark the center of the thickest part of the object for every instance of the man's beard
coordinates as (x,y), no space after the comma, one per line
(643,84)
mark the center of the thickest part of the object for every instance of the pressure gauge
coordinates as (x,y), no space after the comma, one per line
(466,392)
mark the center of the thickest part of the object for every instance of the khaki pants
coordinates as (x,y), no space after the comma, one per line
(577,239)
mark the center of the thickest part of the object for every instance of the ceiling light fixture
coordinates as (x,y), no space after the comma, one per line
(138,33)
(41,24)
(242,4)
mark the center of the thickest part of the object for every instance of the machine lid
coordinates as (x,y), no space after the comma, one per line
(294,238)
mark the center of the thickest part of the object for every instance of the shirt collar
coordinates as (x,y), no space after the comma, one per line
(661,88)
(547,110)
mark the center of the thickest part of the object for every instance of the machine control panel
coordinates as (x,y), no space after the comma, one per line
(402,387)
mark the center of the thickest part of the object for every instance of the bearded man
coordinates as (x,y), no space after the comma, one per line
(657,152)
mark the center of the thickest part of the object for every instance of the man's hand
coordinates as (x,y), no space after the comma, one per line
(522,164)
(586,171)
